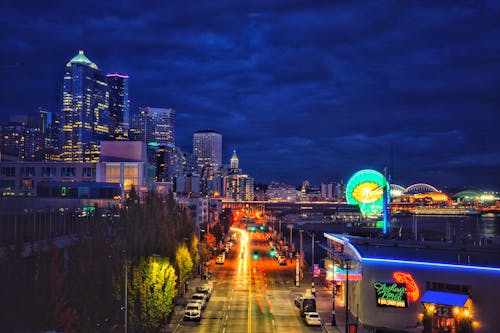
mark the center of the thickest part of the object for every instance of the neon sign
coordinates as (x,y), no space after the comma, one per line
(390,294)
(340,274)
(412,289)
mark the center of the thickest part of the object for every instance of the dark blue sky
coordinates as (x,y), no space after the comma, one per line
(302,90)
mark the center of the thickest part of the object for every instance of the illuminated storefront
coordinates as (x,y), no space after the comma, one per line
(392,286)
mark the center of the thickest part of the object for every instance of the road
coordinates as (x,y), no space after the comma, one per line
(251,295)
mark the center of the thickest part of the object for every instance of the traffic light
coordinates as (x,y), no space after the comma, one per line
(272,253)
(262,228)
(252,228)
(255,255)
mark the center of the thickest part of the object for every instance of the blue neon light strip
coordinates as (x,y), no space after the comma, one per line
(431,264)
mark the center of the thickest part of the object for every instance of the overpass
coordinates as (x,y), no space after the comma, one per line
(284,208)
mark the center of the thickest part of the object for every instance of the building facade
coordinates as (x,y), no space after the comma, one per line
(423,286)
(85,110)
(154,125)
(119,106)
(238,186)
(207,147)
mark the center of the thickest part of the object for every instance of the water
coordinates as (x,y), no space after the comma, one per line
(464,230)
(467,229)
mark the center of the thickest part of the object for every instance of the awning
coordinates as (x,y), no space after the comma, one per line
(444,298)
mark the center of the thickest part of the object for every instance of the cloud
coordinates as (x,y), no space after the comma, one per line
(303,90)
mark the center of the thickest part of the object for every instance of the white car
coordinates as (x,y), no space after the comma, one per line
(199,297)
(205,289)
(192,311)
(313,319)
(220,260)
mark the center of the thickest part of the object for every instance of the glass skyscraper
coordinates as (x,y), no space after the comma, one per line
(85,110)
(207,147)
(154,125)
(119,106)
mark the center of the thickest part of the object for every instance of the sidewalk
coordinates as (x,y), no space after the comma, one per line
(180,303)
(324,305)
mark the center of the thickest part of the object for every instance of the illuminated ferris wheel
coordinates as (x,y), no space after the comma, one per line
(366,189)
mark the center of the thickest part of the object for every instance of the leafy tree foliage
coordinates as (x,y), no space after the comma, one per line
(184,264)
(81,288)
(152,288)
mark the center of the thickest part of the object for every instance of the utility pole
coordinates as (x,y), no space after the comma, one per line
(312,249)
(301,252)
(312,256)
(334,321)
(126,301)
(347,297)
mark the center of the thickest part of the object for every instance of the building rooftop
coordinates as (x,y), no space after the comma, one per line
(424,251)
(81,58)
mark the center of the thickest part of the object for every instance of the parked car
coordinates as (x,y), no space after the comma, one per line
(192,311)
(200,297)
(313,319)
(205,289)
(282,260)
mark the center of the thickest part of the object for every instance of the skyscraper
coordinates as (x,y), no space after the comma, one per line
(207,147)
(154,125)
(85,110)
(119,106)
(237,185)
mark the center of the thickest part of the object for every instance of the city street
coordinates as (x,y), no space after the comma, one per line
(251,295)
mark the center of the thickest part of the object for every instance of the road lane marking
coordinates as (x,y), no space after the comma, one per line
(249,324)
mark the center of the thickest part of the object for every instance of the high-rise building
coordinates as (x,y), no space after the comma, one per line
(168,160)
(85,110)
(238,186)
(119,106)
(207,147)
(154,125)
(22,142)
(327,191)
(45,120)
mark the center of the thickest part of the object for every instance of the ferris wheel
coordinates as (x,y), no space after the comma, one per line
(366,189)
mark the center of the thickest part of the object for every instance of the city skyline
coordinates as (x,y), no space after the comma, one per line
(301,91)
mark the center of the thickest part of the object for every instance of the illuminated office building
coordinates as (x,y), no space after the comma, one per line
(85,110)
(238,186)
(154,125)
(119,106)
(207,147)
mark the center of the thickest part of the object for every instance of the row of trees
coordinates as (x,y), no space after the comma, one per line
(80,287)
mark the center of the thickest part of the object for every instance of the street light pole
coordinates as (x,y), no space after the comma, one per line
(301,252)
(347,297)
(312,249)
(126,301)
(334,321)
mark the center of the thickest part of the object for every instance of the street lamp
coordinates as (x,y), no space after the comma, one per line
(312,249)
(334,321)
(301,253)
(347,261)
(126,305)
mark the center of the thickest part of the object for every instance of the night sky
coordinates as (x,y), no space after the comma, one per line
(302,90)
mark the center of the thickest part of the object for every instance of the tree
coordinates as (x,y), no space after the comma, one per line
(184,264)
(193,250)
(210,240)
(152,288)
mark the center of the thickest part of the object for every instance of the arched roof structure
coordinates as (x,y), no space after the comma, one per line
(396,190)
(420,188)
